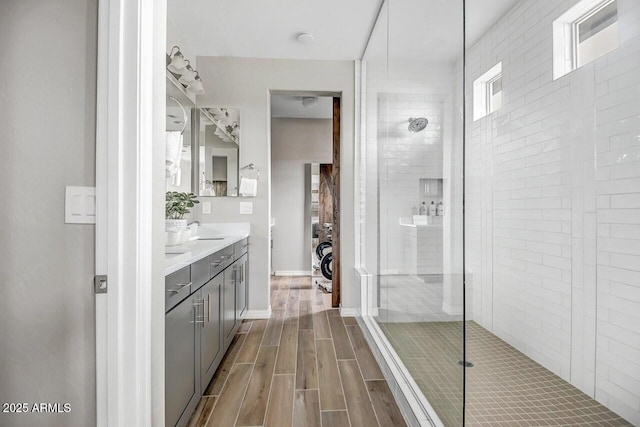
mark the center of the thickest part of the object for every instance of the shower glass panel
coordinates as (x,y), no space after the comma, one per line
(411,195)
(552,216)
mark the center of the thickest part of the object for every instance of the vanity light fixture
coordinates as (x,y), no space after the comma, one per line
(177,62)
(183,71)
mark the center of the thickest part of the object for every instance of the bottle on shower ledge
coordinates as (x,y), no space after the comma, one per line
(423,209)
(432,209)
(440,209)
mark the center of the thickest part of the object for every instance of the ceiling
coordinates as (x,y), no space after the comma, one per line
(291,106)
(425,30)
(418,30)
(268,28)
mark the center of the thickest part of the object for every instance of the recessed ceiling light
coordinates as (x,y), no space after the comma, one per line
(305,38)
(309,101)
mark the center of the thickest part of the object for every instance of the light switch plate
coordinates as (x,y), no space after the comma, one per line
(80,205)
(246,208)
(206,207)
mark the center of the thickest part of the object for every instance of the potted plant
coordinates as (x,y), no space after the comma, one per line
(177,205)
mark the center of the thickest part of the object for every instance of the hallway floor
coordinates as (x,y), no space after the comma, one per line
(306,366)
(504,388)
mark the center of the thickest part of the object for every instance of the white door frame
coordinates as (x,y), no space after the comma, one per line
(130,216)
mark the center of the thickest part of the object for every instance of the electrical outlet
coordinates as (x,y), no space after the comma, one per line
(206,207)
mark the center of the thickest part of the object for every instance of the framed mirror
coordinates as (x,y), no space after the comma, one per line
(218,152)
(179,137)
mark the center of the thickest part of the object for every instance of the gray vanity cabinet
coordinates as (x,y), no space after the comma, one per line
(181,356)
(210,336)
(204,305)
(229,304)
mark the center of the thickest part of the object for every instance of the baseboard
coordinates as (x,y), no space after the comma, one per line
(348,312)
(258,314)
(292,273)
(453,310)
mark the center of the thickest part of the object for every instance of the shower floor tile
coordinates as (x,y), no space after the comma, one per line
(406,298)
(504,387)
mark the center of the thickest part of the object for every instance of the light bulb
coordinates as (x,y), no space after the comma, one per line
(178,64)
(196,87)
(188,76)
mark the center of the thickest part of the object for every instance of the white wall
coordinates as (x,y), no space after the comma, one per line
(392,161)
(294,143)
(245,84)
(47,141)
(404,158)
(553,195)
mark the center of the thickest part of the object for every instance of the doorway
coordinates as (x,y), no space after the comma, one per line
(305,137)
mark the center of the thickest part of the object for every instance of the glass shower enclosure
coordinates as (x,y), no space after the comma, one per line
(498,195)
(411,195)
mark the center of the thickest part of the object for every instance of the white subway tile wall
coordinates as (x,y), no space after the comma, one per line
(404,159)
(552,204)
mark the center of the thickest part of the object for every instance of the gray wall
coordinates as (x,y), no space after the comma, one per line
(246,83)
(294,143)
(47,141)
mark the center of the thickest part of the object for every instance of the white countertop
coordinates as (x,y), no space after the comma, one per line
(421,225)
(195,250)
(216,236)
(408,222)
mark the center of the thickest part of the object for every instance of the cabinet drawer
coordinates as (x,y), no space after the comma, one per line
(221,260)
(200,273)
(241,248)
(177,287)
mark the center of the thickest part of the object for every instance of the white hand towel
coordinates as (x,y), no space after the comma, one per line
(174,152)
(248,187)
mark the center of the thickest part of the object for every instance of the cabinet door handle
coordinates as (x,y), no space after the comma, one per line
(208,312)
(180,287)
(241,273)
(196,304)
(216,264)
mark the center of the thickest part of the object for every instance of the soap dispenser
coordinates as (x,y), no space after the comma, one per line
(432,209)
(423,209)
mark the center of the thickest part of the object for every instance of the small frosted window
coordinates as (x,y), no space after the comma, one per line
(494,93)
(487,92)
(596,34)
(584,33)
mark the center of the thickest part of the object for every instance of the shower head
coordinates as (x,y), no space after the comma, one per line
(417,124)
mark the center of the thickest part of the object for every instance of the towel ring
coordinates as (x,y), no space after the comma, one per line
(253,168)
(184,113)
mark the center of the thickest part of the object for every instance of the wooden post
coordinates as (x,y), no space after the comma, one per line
(335,294)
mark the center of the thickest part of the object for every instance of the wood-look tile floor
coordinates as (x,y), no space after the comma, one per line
(305,366)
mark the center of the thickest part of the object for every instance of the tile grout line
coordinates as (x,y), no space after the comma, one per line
(273,372)
(250,375)
(335,354)
(233,363)
(375,413)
